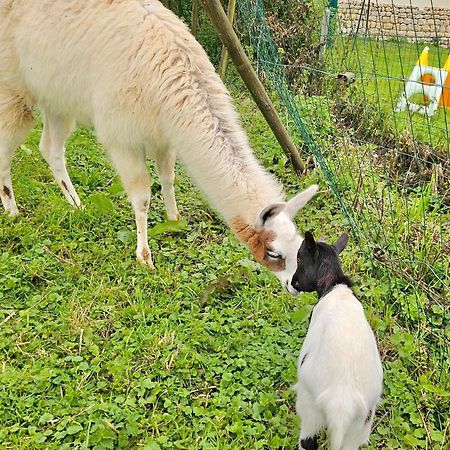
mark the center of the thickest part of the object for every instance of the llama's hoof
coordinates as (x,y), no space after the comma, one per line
(79,207)
(145,258)
(12,211)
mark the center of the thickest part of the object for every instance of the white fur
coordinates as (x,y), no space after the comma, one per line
(132,70)
(340,380)
(287,240)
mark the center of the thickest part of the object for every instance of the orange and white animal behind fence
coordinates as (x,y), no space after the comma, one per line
(431,83)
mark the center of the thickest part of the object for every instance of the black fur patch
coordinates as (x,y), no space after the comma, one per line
(318,267)
(7,191)
(303,359)
(340,280)
(269,213)
(309,443)
(369,415)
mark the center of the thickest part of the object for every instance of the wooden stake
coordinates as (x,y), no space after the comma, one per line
(254,85)
(194,26)
(224,55)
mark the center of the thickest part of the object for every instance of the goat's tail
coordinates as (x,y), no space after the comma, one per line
(346,413)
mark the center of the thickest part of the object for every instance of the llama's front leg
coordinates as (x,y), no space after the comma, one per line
(6,189)
(54,133)
(165,167)
(132,169)
(16,120)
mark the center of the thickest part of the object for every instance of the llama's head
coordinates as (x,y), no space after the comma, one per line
(274,239)
(318,265)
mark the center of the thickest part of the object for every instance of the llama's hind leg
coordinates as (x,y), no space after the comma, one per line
(16,120)
(6,190)
(165,167)
(132,169)
(55,131)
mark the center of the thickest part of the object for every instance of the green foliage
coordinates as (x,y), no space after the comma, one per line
(379,67)
(293,26)
(98,352)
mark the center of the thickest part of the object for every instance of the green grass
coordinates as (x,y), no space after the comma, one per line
(97,352)
(380,66)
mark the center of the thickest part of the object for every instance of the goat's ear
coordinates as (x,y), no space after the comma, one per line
(310,243)
(300,200)
(341,243)
(267,213)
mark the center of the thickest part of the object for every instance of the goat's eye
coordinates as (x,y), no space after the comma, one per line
(273,255)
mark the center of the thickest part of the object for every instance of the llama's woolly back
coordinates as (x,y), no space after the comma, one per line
(132,69)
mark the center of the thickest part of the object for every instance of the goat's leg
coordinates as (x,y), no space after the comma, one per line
(16,119)
(165,167)
(55,131)
(308,443)
(132,169)
(358,432)
(312,419)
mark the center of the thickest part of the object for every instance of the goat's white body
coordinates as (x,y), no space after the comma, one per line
(132,70)
(339,371)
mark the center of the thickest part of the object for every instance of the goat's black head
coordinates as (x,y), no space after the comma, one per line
(318,265)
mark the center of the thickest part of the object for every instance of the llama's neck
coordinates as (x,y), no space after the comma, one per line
(216,152)
(234,182)
(200,121)
(237,187)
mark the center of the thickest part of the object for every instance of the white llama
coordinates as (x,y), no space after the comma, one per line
(132,70)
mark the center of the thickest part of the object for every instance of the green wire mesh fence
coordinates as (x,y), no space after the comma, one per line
(389,169)
(341,72)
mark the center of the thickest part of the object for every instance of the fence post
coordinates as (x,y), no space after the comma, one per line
(254,85)
(324,32)
(194,14)
(224,55)
(333,7)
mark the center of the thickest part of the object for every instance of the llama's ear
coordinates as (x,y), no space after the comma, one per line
(341,243)
(309,242)
(267,213)
(300,200)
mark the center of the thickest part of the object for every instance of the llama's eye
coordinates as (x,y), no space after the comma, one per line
(273,255)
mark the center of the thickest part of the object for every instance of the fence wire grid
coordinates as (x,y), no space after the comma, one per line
(387,166)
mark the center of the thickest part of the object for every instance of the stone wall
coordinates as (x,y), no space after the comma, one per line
(414,23)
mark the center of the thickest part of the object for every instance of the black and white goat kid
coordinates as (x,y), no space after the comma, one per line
(339,369)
